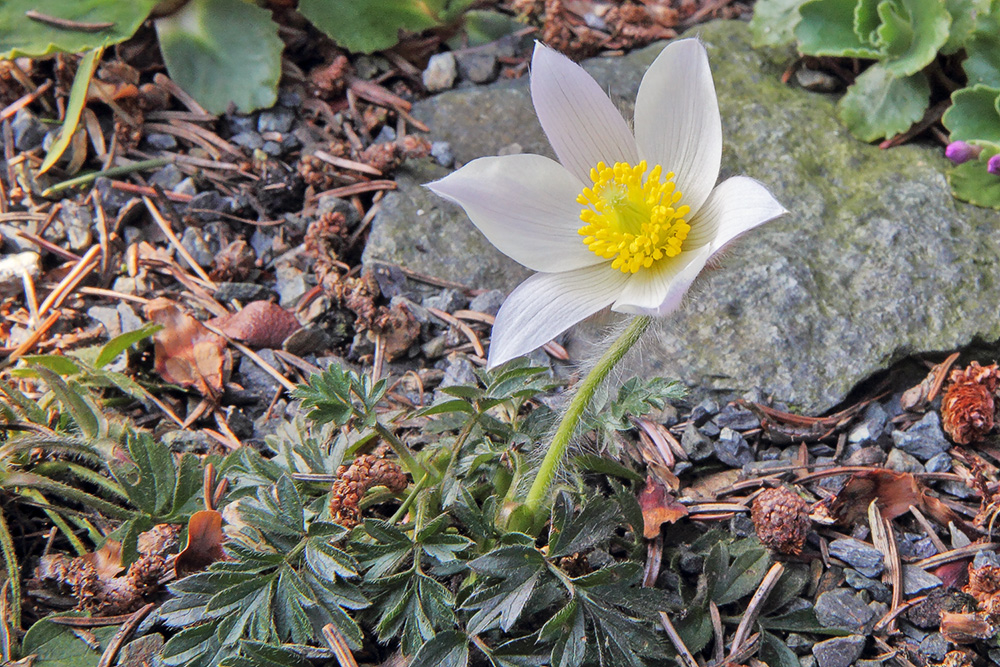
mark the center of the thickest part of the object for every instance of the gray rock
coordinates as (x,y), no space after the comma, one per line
(917,580)
(29,132)
(879,591)
(277,119)
(984,558)
(130,321)
(704,411)
(696,445)
(736,418)
(440,73)
(843,608)
(872,425)
(924,439)
(938,463)
(839,651)
(261,242)
(109,318)
(272,148)
(237,123)
(289,98)
(167,178)
(866,456)
(448,300)
(78,221)
(478,66)
(934,647)
(863,557)
(732,449)
(291,284)
(255,379)
(200,246)
(329,204)
(913,546)
(249,140)
(307,340)
(142,651)
(182,440)
(900,461)
(160,141)
(817,81)
(800,644)
(441,152)
(488,302)
(242,292)
(710,429)
(800,306)
(458,371)
(14,267)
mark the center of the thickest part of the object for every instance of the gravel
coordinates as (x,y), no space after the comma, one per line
(863,557)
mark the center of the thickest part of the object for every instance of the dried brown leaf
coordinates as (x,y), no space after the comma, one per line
(259,324)
(658,507)
(187,353)
(204,544)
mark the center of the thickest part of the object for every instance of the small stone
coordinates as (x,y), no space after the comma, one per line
(331,204)
(441,152)
(900,461)
(934,647)
(959,490)
(816,81)
(289,98)
(29,132)
(186,187)
(710,429)
(237,123)
(112,199)
(440,73)
(14,267)
(915,547)
(917,580)
(696,445)
(261,242)
(448,300)
(385,135)
(160,141)
(939,463)
(595,22)
(843,608)
(255,379)
(866,456)
(291,284)
(872,425)
(478,66)
(167,178)
(736,418)
(985,558)
(272,148)
(668,415)
(142,651)
(308,340)
(859,582)
(197,243)
(924,439)
(458,371)
(249,140)
(196,442)
(488,302)
(800,644)
(108,317)
(839,651)
(239,423)
(130,321)
(704,411)
(732,449)
(276,119)
(242,292)
(78,222)
(863,557)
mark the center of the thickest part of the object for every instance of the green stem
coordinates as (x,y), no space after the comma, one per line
(113,171)
(13,572)
(402,451)
(526,518)
(405,506)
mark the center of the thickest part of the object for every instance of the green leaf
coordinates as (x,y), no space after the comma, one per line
(454,405)
(974,115)
(749,569)
(54,362)
(22,36)
(87,416)
(54,645)
(971,182)
(222,52)
(501,605)
(482,26)
(964,16)
(570,646)
(879,104)
(605,466)
(774,21)
(327,561)
(110,350)
(911,33)
(447,649)
(775,653)
(827,29)
(982,64)
(74,107)
(800,620)
(364,27)
(595,523)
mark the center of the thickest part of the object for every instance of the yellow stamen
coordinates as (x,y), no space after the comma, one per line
(631,221)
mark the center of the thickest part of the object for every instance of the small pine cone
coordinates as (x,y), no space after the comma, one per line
(367,471)
(781,519)
(145,573)
(967,410)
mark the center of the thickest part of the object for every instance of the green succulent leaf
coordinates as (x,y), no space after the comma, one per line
(882,105)
(982,62)
(827,28)
(972,183)
(911,32)
(223,52)
(38,37)
(364,27)
(974,115)
(54,645)
(774,21)
(964,16)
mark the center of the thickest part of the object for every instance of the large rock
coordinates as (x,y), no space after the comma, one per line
(876,260)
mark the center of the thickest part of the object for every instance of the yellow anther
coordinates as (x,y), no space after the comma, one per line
(632,222)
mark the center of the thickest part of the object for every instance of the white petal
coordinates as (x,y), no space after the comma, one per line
(582,124)
(526,206)
(738,205)
(677,123)
(659,290)
(546,304)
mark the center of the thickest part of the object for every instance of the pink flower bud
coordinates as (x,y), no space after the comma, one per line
(959,152)
(993,165)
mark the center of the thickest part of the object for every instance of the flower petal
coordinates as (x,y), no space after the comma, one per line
(738,205)
(659,290)
(677,122)
(526,206)
(546,304)
(582,124)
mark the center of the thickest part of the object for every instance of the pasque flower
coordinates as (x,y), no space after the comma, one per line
(623,219)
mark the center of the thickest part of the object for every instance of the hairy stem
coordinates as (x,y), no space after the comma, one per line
(527,518)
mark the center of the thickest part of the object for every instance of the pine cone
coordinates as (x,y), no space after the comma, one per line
(781,519)
(968,407)
(367,471)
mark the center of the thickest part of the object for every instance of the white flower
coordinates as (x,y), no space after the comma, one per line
(621,220)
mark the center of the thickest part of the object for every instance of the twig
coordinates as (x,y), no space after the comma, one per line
(338,644)
(165,226)
(67,24)
(24,101)
(719,648)
(753,609)
(124,632)
(70,280)
(654,557)
(344,163)
(885,541)
(356,189)
(956,554)
(257,359)
(122,170)
(461,326)
(929,529)
(675,639)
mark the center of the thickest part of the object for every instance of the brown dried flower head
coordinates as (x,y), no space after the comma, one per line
(968,408)
(984,585)
(781,518)
(367,471)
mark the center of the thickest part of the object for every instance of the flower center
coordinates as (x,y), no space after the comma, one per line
(635,222)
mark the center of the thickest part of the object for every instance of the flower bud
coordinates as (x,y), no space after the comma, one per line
(959,152)
(993,165)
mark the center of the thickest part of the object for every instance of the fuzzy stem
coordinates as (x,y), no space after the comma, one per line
(13,572)
(527,518)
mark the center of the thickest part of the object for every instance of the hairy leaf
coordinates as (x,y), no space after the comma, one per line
(971,182)
(774,21)
(911,33)
(974,115)
(827,29)
(881,105)
(364,27)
